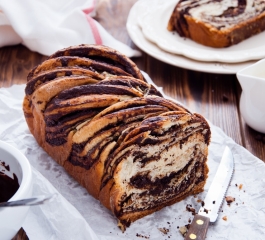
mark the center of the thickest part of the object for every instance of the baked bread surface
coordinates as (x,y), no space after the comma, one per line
(218,23)
(132,149)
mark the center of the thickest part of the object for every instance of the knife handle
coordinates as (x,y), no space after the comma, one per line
(198,228)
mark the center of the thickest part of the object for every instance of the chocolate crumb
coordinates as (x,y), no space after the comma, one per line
(213,202)
(202,203)
(229,200)
(205,210)
(142,236)
(189,208)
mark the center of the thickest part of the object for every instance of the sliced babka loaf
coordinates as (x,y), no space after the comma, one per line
(117,136)
(218,23)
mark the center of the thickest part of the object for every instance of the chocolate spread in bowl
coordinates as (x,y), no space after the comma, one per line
(8,183)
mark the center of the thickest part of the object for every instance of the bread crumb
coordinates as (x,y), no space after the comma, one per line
(163,230)
(240,186)
(225,218)
(229,199)
(189,208)
(183,230)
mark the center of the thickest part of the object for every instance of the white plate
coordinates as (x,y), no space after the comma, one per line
(154,28)
(142,7)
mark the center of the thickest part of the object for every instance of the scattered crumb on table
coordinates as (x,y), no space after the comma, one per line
(229,200)
(163,230)
(183,230)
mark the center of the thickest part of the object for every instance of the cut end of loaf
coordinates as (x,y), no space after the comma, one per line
(160,166)
(89,107)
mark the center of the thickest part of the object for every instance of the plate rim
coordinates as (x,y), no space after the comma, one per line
(141,42)
(153,30)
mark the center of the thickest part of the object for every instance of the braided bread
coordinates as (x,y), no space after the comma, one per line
(132,149)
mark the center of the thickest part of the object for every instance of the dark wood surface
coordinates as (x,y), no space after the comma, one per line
(198,228)
(215,96)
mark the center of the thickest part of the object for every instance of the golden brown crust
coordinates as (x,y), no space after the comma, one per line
(212,37)
(91,51)
(208,35)
(94,128)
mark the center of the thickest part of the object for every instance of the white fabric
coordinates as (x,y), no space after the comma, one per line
(50,25)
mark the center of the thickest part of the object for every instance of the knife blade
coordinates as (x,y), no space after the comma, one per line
(214,198)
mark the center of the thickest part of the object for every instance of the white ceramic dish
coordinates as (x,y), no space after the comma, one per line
(143,7)
(154,27)
(11,219)
(252,100)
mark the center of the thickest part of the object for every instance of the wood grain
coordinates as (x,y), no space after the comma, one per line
(198,228)
(215,96)
(15,63)
(21,235)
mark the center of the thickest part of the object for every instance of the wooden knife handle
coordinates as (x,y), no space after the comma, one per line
(198,228)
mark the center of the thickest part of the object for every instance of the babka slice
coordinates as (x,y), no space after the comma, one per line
(117,136)
(218,23)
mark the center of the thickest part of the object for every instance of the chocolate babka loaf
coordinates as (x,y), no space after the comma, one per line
(90,109)
(218,23)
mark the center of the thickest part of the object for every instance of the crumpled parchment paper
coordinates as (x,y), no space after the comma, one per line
(74,214)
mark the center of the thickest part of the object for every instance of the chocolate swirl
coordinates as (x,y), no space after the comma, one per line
(221,14)
(219,23)
(89,107)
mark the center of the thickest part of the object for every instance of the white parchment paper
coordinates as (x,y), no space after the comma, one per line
(74,214)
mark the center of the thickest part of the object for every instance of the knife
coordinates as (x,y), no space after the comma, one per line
(214,198)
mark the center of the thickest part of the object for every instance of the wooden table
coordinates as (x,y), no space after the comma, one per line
(215,96)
